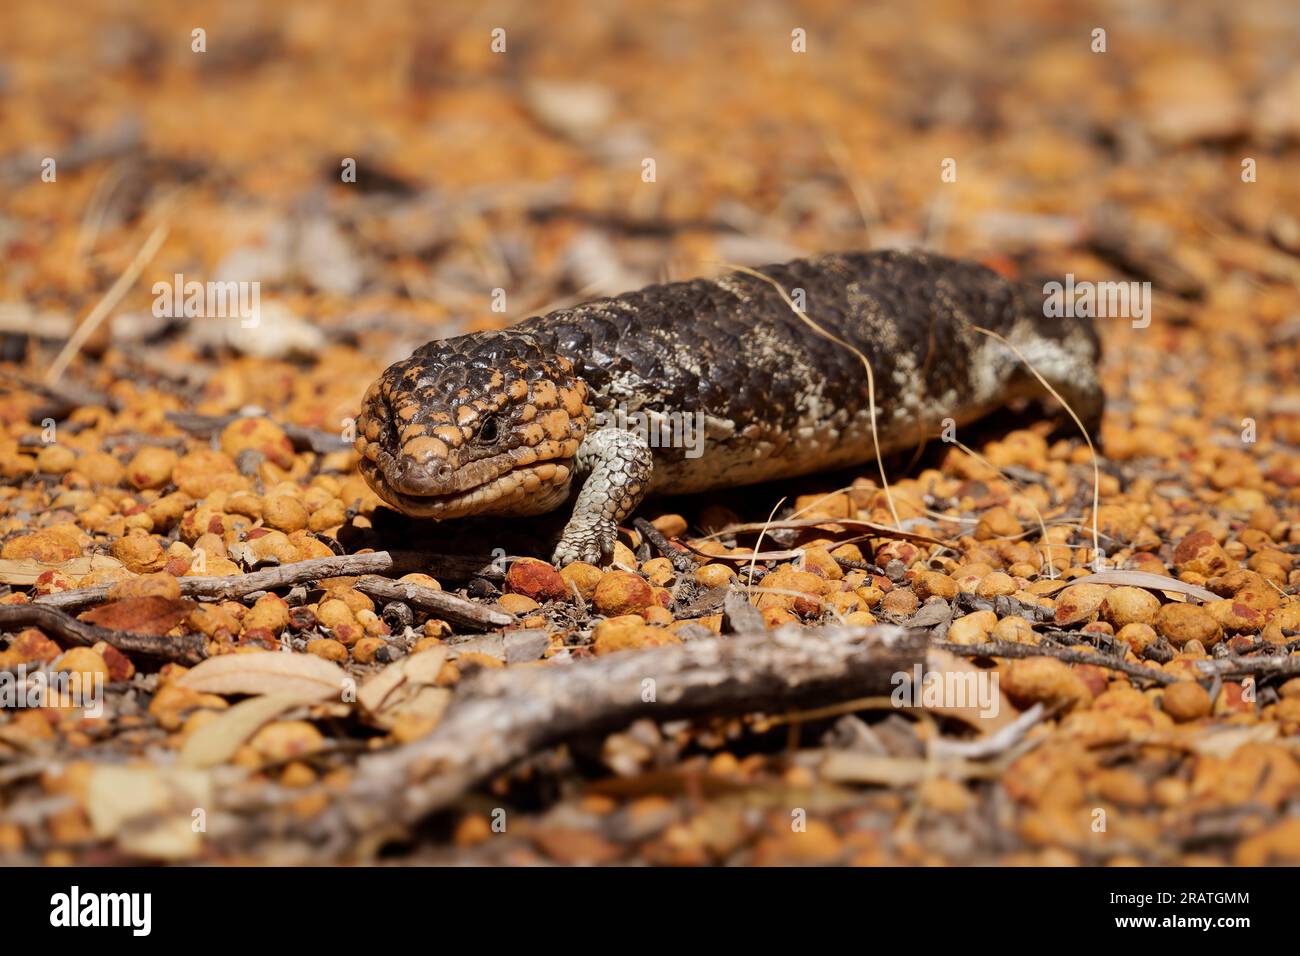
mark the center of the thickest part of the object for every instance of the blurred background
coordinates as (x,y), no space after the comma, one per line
(392,172)
(775,128)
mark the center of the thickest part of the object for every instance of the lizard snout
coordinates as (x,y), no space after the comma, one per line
(411,477)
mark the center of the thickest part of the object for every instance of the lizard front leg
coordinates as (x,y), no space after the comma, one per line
(617,465)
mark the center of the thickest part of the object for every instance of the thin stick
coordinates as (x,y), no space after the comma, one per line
(871,377)
(757,546)
(93,220)
(868,209)
(1068,654)
(752,556)
(302,437)
(108,303)
(186,649)
(1096,468)
(878,530)
(450,607)
(834,710)
(1264,665)
(678,556)
(234,587)
(1042,525)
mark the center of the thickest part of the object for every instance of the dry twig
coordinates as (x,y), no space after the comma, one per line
(1067,654)
(456,610)
(234,587)
(502,716)
(186,649)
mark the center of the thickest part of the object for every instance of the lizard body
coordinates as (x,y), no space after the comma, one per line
(703,384)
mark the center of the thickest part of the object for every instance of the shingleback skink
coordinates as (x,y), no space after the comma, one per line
(764,363)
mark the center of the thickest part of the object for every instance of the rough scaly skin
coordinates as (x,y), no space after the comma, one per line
(506,422)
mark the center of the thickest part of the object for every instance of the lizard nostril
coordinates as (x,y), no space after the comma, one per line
(443,472)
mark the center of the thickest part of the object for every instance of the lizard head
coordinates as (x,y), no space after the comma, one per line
(487,423)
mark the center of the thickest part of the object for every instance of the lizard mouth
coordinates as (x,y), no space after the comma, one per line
(524,490)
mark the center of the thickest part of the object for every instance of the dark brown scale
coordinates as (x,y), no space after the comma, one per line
(445,375)
(779,398)
(735,349)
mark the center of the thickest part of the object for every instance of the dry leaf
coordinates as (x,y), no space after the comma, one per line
(1224,743)
(140,615)
(24,572)
(990,745)
(965,678)
(375,691)
(421,668)
(149,810)
(216,741)
(305,676)
(404,690)
(423,703)
(169,837)
(424,667)
(116,795)
(1141,579)
(851,766)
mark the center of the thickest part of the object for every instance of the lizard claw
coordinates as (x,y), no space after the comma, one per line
(618,466)
(592,543)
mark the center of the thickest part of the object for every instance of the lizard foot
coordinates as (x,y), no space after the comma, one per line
(618,465)
(590,541)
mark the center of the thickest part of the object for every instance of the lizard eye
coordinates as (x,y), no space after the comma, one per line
(490,430)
